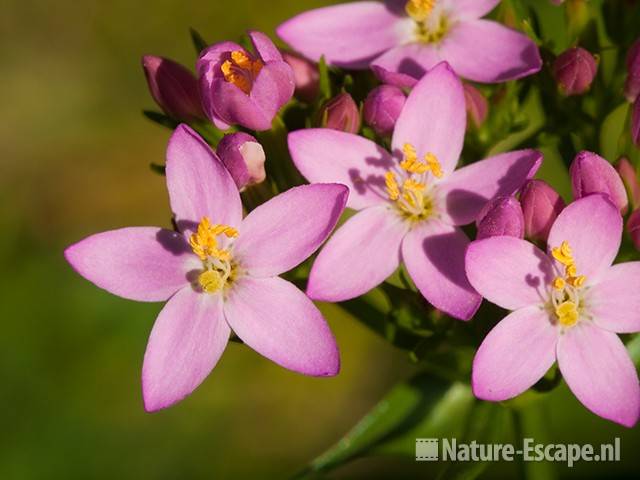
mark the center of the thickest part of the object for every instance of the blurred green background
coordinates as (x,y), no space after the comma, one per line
(75,160)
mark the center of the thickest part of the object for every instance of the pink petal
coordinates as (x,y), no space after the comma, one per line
(433,253)
(515,354)
(147,264)
(273,88)
(412,60)
(185,344)
(509,272)
(470,9)
(326,155)
(198,183)
(286,230)
(434,118)
(278,321)
(348,35)
(468,189)
(598,370)
(264,47)
(359,256)
(614,302)
(485,51)
(593,228)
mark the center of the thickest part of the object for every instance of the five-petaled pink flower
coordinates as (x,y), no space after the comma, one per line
(411,37)
(219,272)
(411,202)
(567,306)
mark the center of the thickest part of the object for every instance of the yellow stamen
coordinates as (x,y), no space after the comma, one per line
(411,163)
(204,243)
(577,281)
(567,313)
(241,70)
(434,165)
(563,253)
(571,270)
(392,186)
(420,10)
(559,283)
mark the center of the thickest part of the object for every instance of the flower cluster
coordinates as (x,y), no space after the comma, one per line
(431,198)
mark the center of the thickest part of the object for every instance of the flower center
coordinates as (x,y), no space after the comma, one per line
(218,268)
(241,71)
(565,296)
(431,26)
(411,197)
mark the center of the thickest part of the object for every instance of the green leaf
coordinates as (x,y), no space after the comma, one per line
(422,407)
(613,128)
(199,43)
(633,347)
(160,119)
(325,80)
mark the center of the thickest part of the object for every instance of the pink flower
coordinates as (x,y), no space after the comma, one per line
(411,202)
(568,304)
(590,173)
(218,273)
(411,37)
(244,88)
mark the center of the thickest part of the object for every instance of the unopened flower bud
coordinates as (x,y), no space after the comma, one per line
(244,158)
(574,71)
(306,76)
(635,122)
(341,113)
(633,227)
(632,84)
(501,216)
(382,108)
(173,87)
(590,173)
(630,179)
(477,105)
(541,205)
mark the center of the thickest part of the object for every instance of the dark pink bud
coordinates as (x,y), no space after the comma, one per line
(635,122)
(632,84)
(382,108)
(173,87)
(630,179)
(574,71)
(244,158)
(306,76)
(501,216)
(477,105)
(541,205)
(633,227)
(341,113)
(590,173)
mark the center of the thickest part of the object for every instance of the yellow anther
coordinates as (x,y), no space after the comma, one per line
(567,313)
(420,10)
(210,281)
(204,242)
(413,186)
(559,283)
(571,270)
(563,253)
(577,281)
(241,70)
(392,186)
(434,165)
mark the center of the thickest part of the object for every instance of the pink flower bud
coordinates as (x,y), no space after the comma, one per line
(541,205)
(635,122)
(173,87)
(630,179)
(477,105)
(341,113)
(574,71)
(306,76)
(632,84)
(382,108)
(501,216)
(633,227)
(590,173)
(244,158)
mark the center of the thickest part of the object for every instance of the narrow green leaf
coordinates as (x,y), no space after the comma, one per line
(160,119)
(325,80)
(199,43)
(613,128)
